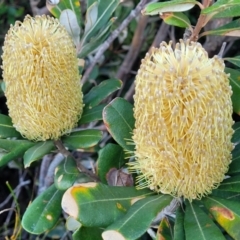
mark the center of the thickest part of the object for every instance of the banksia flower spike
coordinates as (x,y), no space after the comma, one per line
(183,126)
(40,71)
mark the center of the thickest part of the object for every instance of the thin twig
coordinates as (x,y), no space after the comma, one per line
(202,21)
(66,153)
(20,185)
(46,161)
(169,210)
(134,13)
(36,10)
(47,171)
(15,196)
(161,35)
(134,49)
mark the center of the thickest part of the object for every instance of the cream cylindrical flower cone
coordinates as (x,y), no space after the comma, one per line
(183,128)
(40,71)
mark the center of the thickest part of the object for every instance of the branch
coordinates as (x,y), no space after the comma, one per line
(202,21)
(66,153)
(134,49)
(134,13)
(168,210)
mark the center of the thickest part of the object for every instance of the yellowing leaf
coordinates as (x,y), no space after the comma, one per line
(170,6)
(98,205)
(231,29)
(226,213)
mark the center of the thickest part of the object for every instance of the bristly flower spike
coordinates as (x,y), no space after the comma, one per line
(183,128)
(40,71)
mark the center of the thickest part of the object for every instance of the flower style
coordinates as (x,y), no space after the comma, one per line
(183,128)
(40,71)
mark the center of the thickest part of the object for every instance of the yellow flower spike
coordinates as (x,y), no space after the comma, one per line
(40,71)
(183,126)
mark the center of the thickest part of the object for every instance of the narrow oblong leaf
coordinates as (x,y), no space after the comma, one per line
(235,83)
(226,195)
(97,40)
(165,230)
(179,233)
(67,173)
(235,164)
(231,184)
(98,205)
(105,10)
(44,212)
(231,29)
(69,20)
(6,128)
(226,213)
(169,6)
(91,17)
(100,92)
(82,139)
(13,149)
(198,225)
(234,60)
(119,120)
(110,156)
(92,114)
(73,5)
(236,134)
(223,8)
(176,19)
(37,152)
(87,233)
(138,217)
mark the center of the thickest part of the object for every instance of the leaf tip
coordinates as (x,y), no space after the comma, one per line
(112,234)
(69,204)
(136,199)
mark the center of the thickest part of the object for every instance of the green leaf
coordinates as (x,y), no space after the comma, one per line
(111,156)
(97,40)
(235,164)
(118,119)
(73,5)
(100,92)
(69,20)
(13,149)
(169,6)
(98,205)
(231,29)
(82,139)
(44,212)
(164,230)
(92,114)
(235,83)
(91,17)
(90,2)
(230,184)
(179,233)
(37,152)
(236,134)
(105,10)
(176,19)
(226,195)
(234,60)
(87,233)
(138,217)
(6,128)
(67,173)
(223,8)
(226,213)
(198,225)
